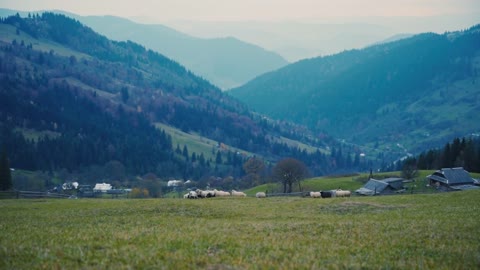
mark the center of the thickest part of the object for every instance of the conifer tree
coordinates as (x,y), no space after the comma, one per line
(218,159)
(5,174)
(185,152)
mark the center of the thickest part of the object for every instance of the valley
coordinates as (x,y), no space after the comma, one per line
(239,134)
(68,89)
(96,104)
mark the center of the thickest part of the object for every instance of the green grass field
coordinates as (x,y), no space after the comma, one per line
(434,231)
(195,143)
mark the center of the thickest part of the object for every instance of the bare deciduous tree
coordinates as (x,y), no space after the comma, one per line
(253,168)
(289,171)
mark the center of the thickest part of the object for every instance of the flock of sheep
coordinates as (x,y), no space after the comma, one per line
(212,193)
(219,193)
(329,193)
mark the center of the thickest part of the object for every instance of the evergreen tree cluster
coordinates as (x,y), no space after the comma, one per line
(463,152)
(81,134)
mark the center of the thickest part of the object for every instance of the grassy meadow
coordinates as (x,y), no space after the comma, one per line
(195,143)
(430,231)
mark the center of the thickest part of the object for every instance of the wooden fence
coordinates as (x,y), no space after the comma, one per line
(292,194)
(31,195)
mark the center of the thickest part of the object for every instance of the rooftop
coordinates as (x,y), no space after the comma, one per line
(452,176)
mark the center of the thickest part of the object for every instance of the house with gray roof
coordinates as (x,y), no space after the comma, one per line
(452,179)
(382,187)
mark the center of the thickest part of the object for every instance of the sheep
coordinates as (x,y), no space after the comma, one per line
(343,193)
(205,193)
(190,195)
(225,193)
(199,193)
(261,195)
(238,194)
(202,193)
(315,194)
(326,194)
(220,193)
(210,193)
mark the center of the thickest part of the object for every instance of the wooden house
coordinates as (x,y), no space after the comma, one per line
(382,187)
(452,179)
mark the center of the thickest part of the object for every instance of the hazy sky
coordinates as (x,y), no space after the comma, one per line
(240,10)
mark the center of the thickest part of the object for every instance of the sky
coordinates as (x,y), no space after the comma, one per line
(250,10)
(296,29)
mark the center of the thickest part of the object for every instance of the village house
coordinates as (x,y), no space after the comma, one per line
(102,187)
(449,179)
(382,187)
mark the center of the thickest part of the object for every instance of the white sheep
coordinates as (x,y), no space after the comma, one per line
(210,193)
(191,195)
(205,193)
(343,193)
(221,193)
(261,195)
(315,194)
(238,193)
(202,193)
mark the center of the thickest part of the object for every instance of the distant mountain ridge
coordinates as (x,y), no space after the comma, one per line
(226,62)
(416,92)
(303,38)
(394,38)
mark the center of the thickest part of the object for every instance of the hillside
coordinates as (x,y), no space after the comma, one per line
(74,100)
(402,96)
(226,62)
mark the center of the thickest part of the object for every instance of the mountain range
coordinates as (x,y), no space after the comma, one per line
(409,94)
(303,38)
(226,62)
(71,99)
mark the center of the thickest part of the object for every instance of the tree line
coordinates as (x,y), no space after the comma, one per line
(461,152)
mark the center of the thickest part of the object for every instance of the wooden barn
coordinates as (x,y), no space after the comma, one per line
(452,179)
(382,187)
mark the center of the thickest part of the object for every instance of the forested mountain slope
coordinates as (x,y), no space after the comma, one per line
(417,92)
(72,99)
